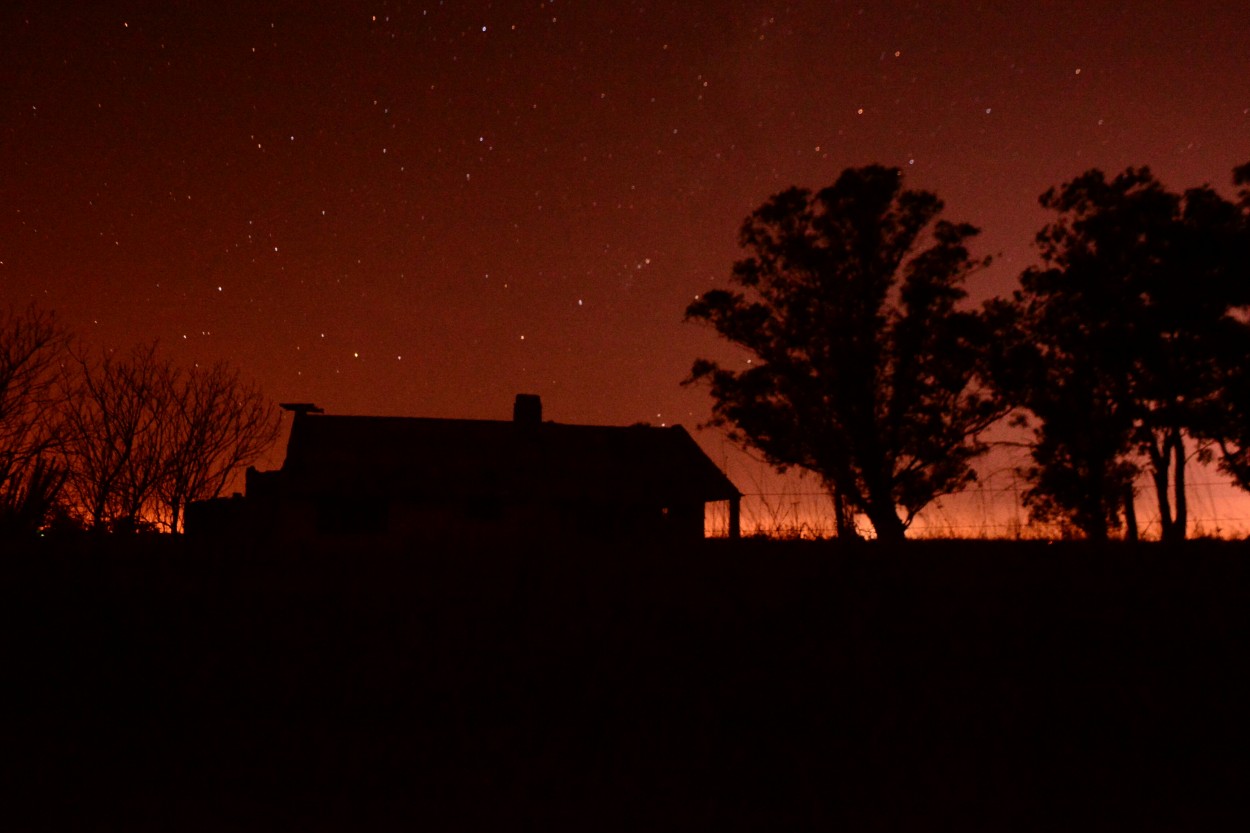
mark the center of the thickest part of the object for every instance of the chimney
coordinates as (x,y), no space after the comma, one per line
(528,409)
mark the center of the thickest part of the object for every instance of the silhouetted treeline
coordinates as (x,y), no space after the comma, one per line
(103,440)
(1125,353)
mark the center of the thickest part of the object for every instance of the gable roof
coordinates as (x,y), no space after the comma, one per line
(466,458)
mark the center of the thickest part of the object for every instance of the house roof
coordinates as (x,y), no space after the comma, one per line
(464,458)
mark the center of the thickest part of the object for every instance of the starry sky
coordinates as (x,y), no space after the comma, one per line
(424,208)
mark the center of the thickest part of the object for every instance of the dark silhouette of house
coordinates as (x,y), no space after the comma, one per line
(396,479)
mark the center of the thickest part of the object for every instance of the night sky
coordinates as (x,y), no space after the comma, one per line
(425,208)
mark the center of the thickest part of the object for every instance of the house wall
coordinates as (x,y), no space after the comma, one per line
(299,521)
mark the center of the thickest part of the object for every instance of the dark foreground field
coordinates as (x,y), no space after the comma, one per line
(760,686)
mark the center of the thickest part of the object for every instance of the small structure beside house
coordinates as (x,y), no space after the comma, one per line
(398,479)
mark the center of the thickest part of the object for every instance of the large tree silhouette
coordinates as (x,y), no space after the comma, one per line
(1063,363)
(1116,343)
(863,369)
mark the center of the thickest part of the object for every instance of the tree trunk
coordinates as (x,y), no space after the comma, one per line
(1130,515)
(1173,522)
(843,519)
(886,523)
(1096,530)
(1160,463)
(1181,525)
(1095,507)
(879,503)
(891,529)
(99,508)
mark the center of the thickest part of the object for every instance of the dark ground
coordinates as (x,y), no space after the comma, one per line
(758,686)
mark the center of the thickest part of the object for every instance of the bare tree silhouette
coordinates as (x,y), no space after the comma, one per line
(217,424)
(115,407)
(31,343)
(142,437)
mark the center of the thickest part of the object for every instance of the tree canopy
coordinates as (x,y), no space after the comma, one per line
(1228,416)
(864,369)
